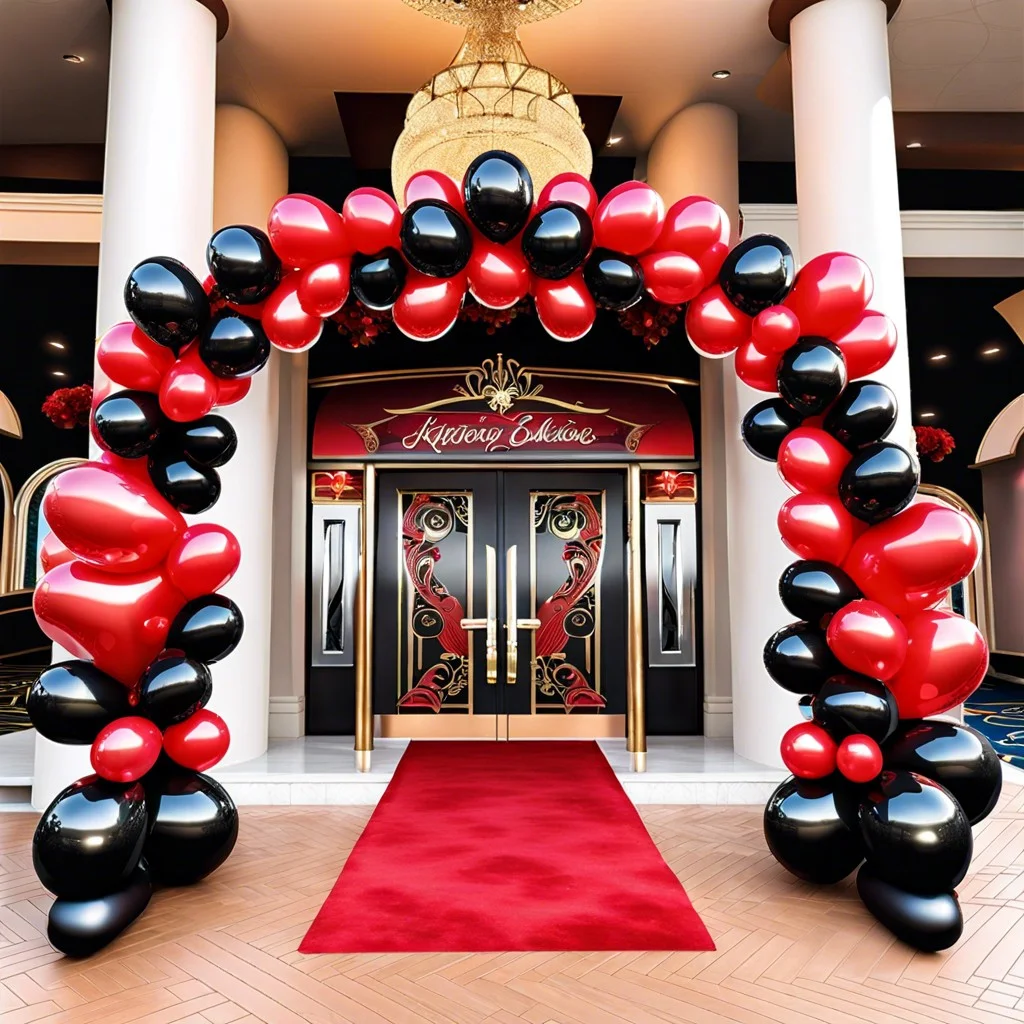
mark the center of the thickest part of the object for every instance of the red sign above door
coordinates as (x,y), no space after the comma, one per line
(501,408)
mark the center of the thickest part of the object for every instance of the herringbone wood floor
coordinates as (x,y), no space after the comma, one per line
(788,953)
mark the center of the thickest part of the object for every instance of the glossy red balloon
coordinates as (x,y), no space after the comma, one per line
(53,552)
(810,460)
(287,324)
(323,289)
(498,275)
(305,231)
(118,621)
(947,658)
(126,749)
(130,358)
(199,742)
(859,758)
(204,559)
(909,562)
(774,330)
(817,526)
(629,219)
(830,294)
(757,370)
(671,277)
(868,345)
(433,185)
(808,751)
(569,187)
(231,391)
(867,638)
(189,390)
(110,520)
(714,325)
(428,306)
(699,228)
(372,220)
(565,308)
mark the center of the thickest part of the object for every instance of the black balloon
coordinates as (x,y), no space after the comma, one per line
(207,629)
(809,830)
(435,239)
(190,488)
(129,423)
(805,707)
(916,836)
(207,441)
(163,297)
(234,346)
(88,841)
(811,375)
(758,273)
(193,828)
(376,281)
(848,704)
(498,192)
(173,688)
(615,281)
(243,264)
(766,425)
(954,755)
(72,700)
(557,240)
(864,412)
(928,923)
(880,480)
(798,658)
(814,590)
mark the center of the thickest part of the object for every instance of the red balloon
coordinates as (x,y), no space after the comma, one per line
(830,294)
(126,749)
(867,638)
(808,751)
(859,758)
(428,306)
(118,621)
(569,187)
(498,275)
(671,277)
(817,526)
(629,219)
(199,742)
(565,308)
(774,330)
(714,325)
(189,390)
(868,345)
(287,324)
(130,358)
(757,370)
(372,220)
(433,185)
(231,391)
(699,228)
(909,562)
(305,231)
(53,552)
(110,520)
(947,658)
(811,460)
(203,560)
(323,289)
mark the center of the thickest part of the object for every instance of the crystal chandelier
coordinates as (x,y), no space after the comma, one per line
(491,97)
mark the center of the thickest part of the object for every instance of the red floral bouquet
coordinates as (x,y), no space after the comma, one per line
(649,320)
(68,408)
(934,443)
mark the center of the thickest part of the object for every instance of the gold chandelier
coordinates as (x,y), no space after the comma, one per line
(491,97)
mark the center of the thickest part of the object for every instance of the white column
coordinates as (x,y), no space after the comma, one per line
(157,194)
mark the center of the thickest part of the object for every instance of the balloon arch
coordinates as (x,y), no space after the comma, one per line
(130,587)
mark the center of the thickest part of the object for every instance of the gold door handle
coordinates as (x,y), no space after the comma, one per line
(490,624)
(512,621)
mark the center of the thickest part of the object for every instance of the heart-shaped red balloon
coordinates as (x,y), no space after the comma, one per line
(909,562)
(671,277)
(714,325)
(199,742)
(629,219)
(830,294)
(812,461)
(868,345)
(497,274)
(947,658)
(372,220)
(204,559)
(565,308)
(699,228)
(129,358)
(323,289)
(112,521)
(118,621)
(287,324)
(867,638)
(189,390)
(756,369)
(305,231)
(817,526)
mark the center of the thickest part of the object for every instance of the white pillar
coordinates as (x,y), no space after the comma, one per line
(157,194)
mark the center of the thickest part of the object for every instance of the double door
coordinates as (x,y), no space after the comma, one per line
(499,605)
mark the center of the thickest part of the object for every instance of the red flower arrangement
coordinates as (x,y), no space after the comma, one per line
(473,312)
(934,443)
(649,320)
(361,325)
(68,408)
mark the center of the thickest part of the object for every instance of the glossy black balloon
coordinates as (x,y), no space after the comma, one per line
(83,927)
(498,192)
(805,708)
(954,755)
(864,412)
(207,441)
(376,281)
(173,688)
(72,700)
(190,488)
(243,263)
(193,829)
(766,425)
(234,346)
(88,841)
(557,240)
(928,923)
(815,590)
(757,273)
(916,836)
(207,629)
(129,423)
(615,281)
(809,830)
(848,704)
(163,297)
(880,480)
(798,658)
(435,239)
(811,375)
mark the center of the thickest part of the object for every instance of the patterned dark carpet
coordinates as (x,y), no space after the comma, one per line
(996,708)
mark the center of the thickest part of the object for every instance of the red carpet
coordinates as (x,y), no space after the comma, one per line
(505,846)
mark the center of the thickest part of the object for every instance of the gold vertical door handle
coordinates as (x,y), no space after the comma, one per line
(511,632)
(489,624)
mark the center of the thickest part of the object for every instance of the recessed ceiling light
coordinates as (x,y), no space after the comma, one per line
(73,58)
(614,140)
(992,350)
(927,415)
(915,145)
(58,345)
(721,73)
(58,373)
(938,357)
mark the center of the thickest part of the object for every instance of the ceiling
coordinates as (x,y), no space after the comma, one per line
(287,61)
